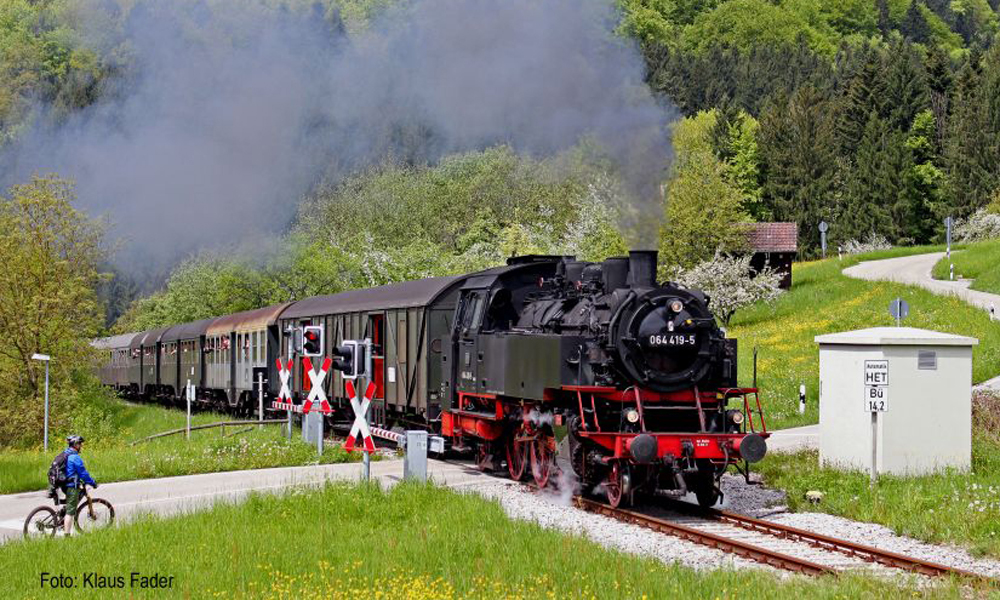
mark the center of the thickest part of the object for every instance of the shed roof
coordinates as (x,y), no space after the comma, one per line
(895,336)
(249,320)
(187,331)
(418,292)
(773,237)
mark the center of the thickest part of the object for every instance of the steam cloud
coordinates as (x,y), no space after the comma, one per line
(226,114)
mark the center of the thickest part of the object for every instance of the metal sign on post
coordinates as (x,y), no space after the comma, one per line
(823,227)
(876,401)
(899,310)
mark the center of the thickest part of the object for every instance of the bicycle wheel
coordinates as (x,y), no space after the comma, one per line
(41,522)
(93,514)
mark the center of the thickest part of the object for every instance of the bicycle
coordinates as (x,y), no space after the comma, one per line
(91,513)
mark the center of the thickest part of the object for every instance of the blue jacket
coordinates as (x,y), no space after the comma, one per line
(75,469)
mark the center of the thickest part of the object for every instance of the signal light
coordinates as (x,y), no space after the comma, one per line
(312,340)
(351,358)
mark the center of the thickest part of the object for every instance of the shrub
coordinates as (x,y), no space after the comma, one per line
(731,283)
(982,225)
(873,243)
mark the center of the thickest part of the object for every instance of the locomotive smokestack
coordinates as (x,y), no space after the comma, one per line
(642,267)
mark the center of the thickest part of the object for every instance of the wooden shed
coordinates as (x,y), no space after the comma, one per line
(774,244)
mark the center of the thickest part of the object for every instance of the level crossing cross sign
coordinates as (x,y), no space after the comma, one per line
(284,401)
(360,425)
(316,391)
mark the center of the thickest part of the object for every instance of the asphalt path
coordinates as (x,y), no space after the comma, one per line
(178,495)
(916,270)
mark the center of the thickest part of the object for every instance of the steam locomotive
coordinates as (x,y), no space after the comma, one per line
(632,382)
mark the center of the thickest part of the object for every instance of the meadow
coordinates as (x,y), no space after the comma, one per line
(947,507)
(979,261)
(823,300)
(412,542)
(110,426)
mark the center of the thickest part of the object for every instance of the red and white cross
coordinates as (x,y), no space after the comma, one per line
(360,410)
(316,391)
(284,401)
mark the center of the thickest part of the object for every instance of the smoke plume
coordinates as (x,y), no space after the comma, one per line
(221,115)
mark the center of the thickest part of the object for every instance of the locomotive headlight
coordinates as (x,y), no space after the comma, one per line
(632,415)
(677,306)
(736,417)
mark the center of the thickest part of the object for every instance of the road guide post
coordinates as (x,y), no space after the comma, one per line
(187,396)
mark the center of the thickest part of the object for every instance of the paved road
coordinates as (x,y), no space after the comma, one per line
(175,495)
(916,270)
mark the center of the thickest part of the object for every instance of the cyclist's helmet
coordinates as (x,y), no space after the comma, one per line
(74,439)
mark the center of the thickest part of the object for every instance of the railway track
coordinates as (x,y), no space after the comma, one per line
(776,545)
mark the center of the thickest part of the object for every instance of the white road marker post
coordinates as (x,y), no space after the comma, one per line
(802,398)
(188,394)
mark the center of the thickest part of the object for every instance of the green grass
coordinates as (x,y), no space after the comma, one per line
(979,261)
(823,300)
(951,506)
(415,542)
(109,427)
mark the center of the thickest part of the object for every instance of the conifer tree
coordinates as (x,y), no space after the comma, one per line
(797,149)
(872,187)
(914,26)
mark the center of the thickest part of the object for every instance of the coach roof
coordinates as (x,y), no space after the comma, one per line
(116,341)
(249,320)
(187,331)
(408,294)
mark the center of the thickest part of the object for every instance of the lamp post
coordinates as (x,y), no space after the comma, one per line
(45,358)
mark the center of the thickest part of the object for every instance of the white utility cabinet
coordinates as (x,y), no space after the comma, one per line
(917,384)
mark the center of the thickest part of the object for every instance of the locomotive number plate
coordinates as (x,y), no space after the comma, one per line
(673,339)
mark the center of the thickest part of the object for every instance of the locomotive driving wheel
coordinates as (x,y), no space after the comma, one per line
(517,456)
(617,484)
(543,458)
(706,489)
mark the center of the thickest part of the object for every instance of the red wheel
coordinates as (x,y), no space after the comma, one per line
(517,457)
(542,459)
(616,484)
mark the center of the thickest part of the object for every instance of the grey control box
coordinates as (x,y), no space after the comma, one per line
(415,461)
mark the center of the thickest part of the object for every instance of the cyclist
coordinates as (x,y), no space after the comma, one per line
(76,474)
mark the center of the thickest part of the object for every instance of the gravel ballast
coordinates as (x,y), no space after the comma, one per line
(552,510)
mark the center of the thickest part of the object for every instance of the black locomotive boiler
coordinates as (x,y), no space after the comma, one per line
(501,362)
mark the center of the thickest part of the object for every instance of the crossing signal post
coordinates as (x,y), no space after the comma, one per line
(353,359)
(312,340)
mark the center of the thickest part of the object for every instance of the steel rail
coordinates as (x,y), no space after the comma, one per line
(739,548)
(853,549)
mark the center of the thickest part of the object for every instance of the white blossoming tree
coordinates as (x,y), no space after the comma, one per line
(730,284)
